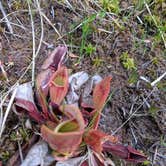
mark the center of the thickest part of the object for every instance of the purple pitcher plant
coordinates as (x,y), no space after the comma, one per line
(69,129)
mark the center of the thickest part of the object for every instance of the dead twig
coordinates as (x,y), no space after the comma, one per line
(6,18)
(158,79)
(3,71)
(33,41)
(2,127)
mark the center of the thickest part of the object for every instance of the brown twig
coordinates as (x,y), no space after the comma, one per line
(6,18)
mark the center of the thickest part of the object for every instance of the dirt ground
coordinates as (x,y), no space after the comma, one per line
(125,40)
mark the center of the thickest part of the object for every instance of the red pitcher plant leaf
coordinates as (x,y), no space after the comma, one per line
(59,85)
(42,88)
(42,81)
(100,94)
(66,137)
(49,66)
(96,138)
(87,110)
(24,101)
(55,59)
(124,152)
(42,99)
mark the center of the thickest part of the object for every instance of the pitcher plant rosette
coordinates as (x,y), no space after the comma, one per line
(67,128)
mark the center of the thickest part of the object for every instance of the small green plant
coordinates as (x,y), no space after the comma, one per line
(139,4)
(21,134)
(110,5)
(148,19)
(17,5)
(127,62)
(163,141)
(133,78)
(97,62)
(5,155)
(90,49)
(146,163)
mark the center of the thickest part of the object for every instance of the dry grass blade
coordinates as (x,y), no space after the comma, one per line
(1,113)
(33,41)
(15,12)
(20,151)
(35,53)
(3,71)
(50,23)
(42,29)
(2,127)
(158,79)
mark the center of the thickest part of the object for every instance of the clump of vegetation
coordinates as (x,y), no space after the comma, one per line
(133,78)
(110,5)
(86,30)
(21,134)
(61,122)
(5,155)
(90,49)
(97,61)
(127,62)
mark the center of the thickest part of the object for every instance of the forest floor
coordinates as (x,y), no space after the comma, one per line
(124,39)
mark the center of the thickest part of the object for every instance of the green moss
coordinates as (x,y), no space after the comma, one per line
(127,62)
(5,155)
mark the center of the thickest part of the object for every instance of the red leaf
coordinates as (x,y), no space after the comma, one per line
(124,152)
(42,81)
(49,66)
(25,105)
(66,137)
(101,92)
(96,138)
(42,99)
(59,85)
(25,101)
(42,86)
(87,110)
(55,58)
